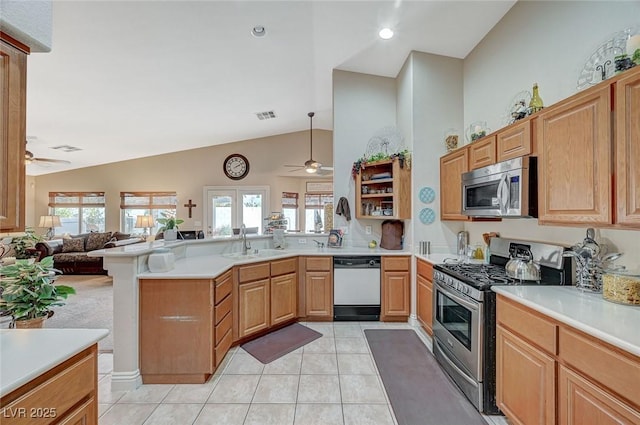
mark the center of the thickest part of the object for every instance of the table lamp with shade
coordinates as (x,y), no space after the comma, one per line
(50,222)
(145,222)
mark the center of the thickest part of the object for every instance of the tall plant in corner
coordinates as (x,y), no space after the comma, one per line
(28,291)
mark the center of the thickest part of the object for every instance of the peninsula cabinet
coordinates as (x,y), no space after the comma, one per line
(383,190)
(13,112)
(185,328)
(424,295)
(548,372)
(318,288)
(451,168)
(254,299)
(396,289)
(574,166)
(284,290)
(627,148)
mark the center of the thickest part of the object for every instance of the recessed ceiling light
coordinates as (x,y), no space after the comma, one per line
(386,33)
(259,31)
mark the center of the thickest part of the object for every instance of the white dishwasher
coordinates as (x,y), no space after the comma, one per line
(356,288)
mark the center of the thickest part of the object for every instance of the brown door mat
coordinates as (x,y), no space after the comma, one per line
(419,391)
(276,344)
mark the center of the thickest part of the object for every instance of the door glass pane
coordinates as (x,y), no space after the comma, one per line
(252,210)
(222,215)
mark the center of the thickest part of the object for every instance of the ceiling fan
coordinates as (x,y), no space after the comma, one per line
(312,166)
(30,158)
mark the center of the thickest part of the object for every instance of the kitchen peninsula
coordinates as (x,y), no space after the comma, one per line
(208,261)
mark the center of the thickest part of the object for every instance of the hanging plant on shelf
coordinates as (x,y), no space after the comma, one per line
(403,156)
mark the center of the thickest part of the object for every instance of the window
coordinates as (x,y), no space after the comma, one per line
(290,209)
(133,204)
(79,212)
(230,207)
(314,211)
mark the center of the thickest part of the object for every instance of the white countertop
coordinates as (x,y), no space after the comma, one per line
(27,353)
(614,323)
(210,266)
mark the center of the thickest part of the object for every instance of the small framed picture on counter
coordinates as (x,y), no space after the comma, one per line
(335,238)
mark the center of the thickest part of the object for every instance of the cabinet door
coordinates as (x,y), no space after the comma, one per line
(525,381)
(86,414)
(424,293)
(628,150)
(319,295)
(13,110)
(574,169)
(514,141)
(482,152)
(170,344)
(396,295)
(582,402)
(284,298)
(451,168)
(254,311)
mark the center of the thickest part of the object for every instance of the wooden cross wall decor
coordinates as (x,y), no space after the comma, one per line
(190,205)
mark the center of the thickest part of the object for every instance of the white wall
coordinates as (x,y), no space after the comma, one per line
(362,104)
(29,22)
(548,43)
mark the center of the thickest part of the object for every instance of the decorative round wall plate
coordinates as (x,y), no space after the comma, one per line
(427,195)
(427,216)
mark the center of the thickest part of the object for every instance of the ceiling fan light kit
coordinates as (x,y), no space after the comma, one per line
(311,166)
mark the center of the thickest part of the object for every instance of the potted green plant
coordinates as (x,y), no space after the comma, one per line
(27,291)
(169,226)
(23,245)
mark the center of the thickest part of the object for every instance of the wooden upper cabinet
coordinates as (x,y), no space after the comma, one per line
(575,153)
(451,168)
(383,186)
(482,152)
(628,150)
(13,111)
(514,141)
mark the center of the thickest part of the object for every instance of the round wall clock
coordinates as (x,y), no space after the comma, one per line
(236,166)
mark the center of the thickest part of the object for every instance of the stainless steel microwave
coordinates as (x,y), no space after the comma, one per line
(506,189)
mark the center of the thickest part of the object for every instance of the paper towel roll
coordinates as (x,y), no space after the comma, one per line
(633,44)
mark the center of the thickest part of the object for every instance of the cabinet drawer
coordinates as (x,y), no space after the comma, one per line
(528,324)
(223,308)
(224,284)
(223,347)
(396,263)
(254,272)
(57,394)
(318,263)
(223,328)
(86,414)
(482,153)
(280,267)
(617,371)
(425,269)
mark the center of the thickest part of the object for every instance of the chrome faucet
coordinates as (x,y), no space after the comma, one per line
(246,246)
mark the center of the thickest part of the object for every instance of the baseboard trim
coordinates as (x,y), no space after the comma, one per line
(125,381)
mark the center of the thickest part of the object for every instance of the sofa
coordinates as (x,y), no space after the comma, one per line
(70,254)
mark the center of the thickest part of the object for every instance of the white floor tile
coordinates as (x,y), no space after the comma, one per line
(234,389)
(243,364)
(356,364)
(130,414)
(319,389)
(364,389)
(174,414)
(270,414)
(313,364)
(147,394)
(102,408)
(277,389)
(105,395)
(325,329)
(222,414)
(351,345)
(105,363)
(348,331)
(191,393)
(321,345)
(318,414)
(286,365)
(367,414)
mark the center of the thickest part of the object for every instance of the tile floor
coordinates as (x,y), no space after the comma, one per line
(330,381)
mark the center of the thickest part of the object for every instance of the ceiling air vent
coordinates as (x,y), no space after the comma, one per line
(266,115)
(66,148)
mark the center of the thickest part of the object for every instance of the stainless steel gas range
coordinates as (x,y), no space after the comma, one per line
(464,323)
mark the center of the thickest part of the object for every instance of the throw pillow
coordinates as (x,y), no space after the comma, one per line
(120,236)
(96,240)
(73,245)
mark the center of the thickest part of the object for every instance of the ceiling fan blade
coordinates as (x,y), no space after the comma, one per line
(57,161)
(297,166)
(327,168)
(297,169)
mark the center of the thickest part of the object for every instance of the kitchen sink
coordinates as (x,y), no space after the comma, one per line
(262,253)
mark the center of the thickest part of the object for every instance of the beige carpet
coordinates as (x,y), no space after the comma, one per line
(90,308)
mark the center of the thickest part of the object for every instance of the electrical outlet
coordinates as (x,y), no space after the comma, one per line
(367,230)
(302,241)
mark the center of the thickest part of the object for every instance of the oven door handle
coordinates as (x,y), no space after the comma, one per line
(504,194)
(456,298)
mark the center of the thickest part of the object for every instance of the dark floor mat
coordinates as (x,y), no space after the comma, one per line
(418,389)
(278,343)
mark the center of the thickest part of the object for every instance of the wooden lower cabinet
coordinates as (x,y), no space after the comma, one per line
(396,289)
(66,394)
(424,295)
(581,401)
(319,295)
(284,298)
(525,379)
(254,307)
